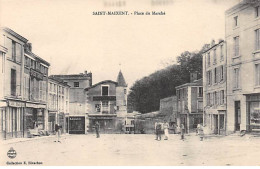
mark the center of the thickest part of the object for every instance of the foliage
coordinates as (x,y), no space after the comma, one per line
(145,94)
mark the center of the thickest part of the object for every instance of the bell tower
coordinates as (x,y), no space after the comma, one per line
(121,95)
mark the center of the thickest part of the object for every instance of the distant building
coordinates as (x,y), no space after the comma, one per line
(106,104)
(190,104)
(214,86)
(168,109)
(78,118)
(58,104)
(243,66)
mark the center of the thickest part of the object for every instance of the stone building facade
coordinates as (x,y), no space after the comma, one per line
(190,104)
(243,66)
(214,87)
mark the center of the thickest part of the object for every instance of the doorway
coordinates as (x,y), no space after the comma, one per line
(237,116)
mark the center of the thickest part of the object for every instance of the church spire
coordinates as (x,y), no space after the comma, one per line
(121,80)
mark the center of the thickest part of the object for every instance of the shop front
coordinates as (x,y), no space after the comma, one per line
(34,117)
(12,119)
(51,121)
(107,123)
(253,112)
(77,125)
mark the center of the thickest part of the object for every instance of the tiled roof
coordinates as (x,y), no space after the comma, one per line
(102,82)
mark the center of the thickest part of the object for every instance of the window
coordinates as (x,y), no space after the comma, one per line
(26,87)
(208,59)
(222,97)
(221,53)
(215,95)
(236,78)
(200,106)
(208,99)
(235,21)
(13,82)
(18,52)
(257,74)
(236,46)
(221,72)
(104,90)
(257,11)
(76,84)
(104,106)
(124,91)
(257,39)
(214,56)
(209,77)
(215,75)
(13,51)
(200,92)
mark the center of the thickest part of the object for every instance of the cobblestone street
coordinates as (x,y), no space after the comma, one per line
(136,150)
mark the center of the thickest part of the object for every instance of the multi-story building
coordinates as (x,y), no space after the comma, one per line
(23,86)
(78,118)
(106,103)
(12,108)
(243,66)
(214,87)
(58,104)
(190,104)
(35,81)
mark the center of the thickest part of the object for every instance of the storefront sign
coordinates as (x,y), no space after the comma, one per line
(36,106)
(75,118)
(16,104)
(36,74)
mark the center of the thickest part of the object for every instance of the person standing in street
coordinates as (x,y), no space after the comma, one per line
(57,130)
(200,132)
(158,129)
(182,132)
(97,128)
(165,128)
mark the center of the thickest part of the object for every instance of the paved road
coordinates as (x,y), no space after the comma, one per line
(137,150)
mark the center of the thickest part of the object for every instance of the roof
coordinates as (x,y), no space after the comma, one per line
(58,80)
(37,57)
(121,80)
(195,83)
(74,76)
(221,41)
(99,83)
(10,31)
(240,4)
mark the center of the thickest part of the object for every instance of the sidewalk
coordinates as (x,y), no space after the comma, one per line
(18,140)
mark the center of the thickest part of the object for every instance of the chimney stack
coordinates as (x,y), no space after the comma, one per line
(193,77)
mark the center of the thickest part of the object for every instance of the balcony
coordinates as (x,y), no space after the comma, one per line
(104,98)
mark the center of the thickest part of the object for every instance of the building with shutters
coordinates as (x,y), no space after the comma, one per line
(106,103)
(23,87)
(214,87)
(58,104)
(243,66)
(190,104)
(78,118)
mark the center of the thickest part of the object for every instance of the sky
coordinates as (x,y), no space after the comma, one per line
(72,40)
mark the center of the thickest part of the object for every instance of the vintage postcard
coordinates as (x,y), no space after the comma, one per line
(129,83)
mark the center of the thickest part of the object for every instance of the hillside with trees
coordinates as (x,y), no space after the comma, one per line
(145,94)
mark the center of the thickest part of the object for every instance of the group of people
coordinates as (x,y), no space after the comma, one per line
(162,128)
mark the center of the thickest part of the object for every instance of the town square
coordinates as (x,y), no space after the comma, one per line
(130,83)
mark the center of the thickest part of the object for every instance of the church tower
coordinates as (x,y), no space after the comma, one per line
(121,95)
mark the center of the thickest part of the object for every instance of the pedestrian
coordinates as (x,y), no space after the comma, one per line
(155,131)
(57,130)
(182,132)
(158,130)
(165,128)
(200,132)
(97,128)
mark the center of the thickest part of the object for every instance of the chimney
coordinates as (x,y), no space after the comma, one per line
(28,46)
(212,42)
(193,77)
(86,72)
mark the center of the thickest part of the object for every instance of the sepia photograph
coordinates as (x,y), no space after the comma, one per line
(129,83)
